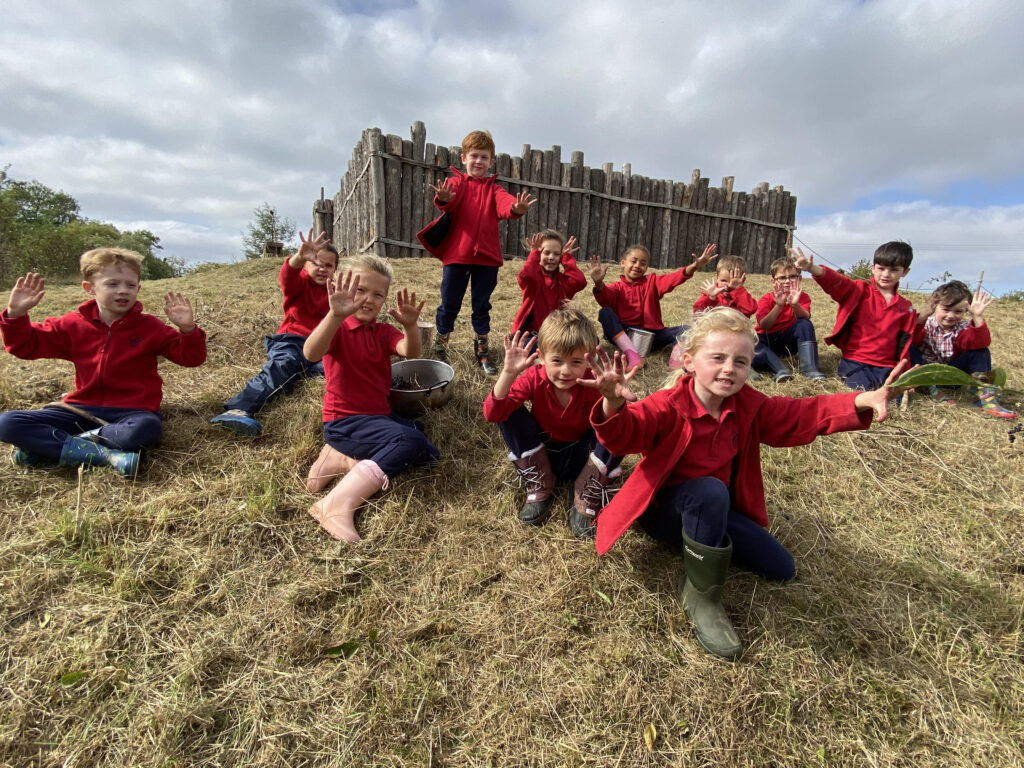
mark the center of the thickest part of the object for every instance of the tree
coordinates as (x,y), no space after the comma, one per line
(266,227)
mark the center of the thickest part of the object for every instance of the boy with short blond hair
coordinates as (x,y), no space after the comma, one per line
(634,302)
(951,330)
(553,442)
(114,410)
(303,279)
(874,324)
(471,204)
(784,320)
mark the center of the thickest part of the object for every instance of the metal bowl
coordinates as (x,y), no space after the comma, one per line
(419,385)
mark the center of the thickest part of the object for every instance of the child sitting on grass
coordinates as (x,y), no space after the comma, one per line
(784,321)
(699,481)
(548,278)
(944,335)
(635,300)
(114,410)
(358,422)
(874,324)
(727,290)
(303,278)
(553,442)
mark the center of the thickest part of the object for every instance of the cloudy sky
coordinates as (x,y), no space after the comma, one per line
(888,119)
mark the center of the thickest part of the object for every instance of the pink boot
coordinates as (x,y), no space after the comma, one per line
(633,358)
(328,465)
(336,511)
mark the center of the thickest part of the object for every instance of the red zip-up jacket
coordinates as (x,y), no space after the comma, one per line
(544,292)
(639,303)
(860,303)
(656,428)
(116,365)
(738,298)
(305,302)
(475,209)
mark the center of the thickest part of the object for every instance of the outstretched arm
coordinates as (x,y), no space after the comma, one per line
(805,263)
(524,201)
(877,400)
(27,292)
(699,262)
(519,356)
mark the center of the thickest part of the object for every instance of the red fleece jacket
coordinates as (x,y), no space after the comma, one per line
(738,298)
(544,292)
(305,302)
(654,428)
(639,303)
(116,365)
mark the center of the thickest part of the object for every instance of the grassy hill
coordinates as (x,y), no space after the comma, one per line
(198,616)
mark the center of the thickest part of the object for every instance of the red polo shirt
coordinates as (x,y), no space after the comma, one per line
(357,367)
(564,425)
(786,316)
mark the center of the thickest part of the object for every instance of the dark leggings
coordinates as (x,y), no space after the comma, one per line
(43,432)
(702,508)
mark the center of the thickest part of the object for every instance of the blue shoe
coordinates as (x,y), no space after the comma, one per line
(239,422)
(78,451)
(22,458)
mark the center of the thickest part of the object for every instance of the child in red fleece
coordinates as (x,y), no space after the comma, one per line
(548,278)
(944,335)
(874,324)
(784,322)
(727,290)
(358,422)
(635,300)
(115,349)
(699,479)
(553,441)
(303,278)
(471,250)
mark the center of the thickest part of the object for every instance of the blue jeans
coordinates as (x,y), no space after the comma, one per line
(285,365)
(455,278)
(702,508)
(44,432)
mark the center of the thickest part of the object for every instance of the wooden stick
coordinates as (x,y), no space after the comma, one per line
(980,278)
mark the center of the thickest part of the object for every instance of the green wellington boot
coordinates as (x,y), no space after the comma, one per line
(706,568)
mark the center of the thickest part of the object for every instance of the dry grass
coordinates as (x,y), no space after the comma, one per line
(199,617)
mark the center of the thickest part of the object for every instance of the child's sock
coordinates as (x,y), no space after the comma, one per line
(328,465)
(624,343)
(336,511)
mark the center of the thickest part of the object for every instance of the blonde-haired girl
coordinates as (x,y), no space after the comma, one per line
(699,479)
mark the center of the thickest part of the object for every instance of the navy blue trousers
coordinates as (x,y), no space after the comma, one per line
(522,434)
(784,342)
(861,375)
(394,444)
(43,432)
(612,327)
(284,367)
(968,361)
(481,281)
(702,508)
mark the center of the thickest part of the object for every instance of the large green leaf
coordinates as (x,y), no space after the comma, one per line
(934,375)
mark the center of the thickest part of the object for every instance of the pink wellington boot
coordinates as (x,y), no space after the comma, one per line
(328,465)
(336,511)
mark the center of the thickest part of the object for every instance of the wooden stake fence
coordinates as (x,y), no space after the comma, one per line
(385,199)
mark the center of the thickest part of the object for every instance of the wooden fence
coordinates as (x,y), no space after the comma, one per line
(385,199)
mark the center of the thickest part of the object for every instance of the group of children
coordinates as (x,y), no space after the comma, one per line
(562,404)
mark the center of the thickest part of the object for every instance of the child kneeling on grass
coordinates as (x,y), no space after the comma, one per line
(358,422)
(699,481)
(553,442)
(115,348)
(944,335)
(548,278)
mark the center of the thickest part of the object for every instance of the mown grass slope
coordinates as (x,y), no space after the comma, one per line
(198,616)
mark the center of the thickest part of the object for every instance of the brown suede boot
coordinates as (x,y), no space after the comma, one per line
(535,471)
(590,495)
